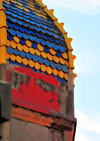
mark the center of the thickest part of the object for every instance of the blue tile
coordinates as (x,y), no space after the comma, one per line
(10,50)
(16,52)
(26,16)
(21,64)
(60,37)
(15,26)
(41,60)
(47,62)
(28,55)
(32,38)
(40,71)
(53,65)
(33,33)
(22,54)
(27,31)
(20,14)
(51,39)
(55,35)
(6,5)
(10,37)
(39,35)
(49,33)
(57,41)
(59,67)
(32,12)
(12,19)
(24,24)
(13,8)
(37,40)
(16,63)
(25,36)
(43,42)
(12,31)
(7,12)
(26,20)
(63,81)
(61,48)
(57,77)
(19,17)
(35,58)
(21,29)
(22,41)
(34,45)
(55,46)
(37,24)
(37,29)
(18,21)
(63,43)
(65,68)
(45,27)
(15,12)
(49,44)
(50,29)
(9,24)
(34,69)
(45,37)
(19,34)
(42,30)
(46,49)
(58,54)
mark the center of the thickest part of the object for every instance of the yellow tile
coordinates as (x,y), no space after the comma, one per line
(12,57)
(16,39)
(32,51)
(19,47)
(37,66)
(43,68)
(28,43)
(40,47)
(25,48)
(44,55)
(37,52)
(49,70)
(56,59)
(25,61)
(18,59)
(61,74)
(55,72)
(13,44)
(31,63)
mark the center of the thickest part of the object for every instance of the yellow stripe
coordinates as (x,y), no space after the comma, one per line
(38,66)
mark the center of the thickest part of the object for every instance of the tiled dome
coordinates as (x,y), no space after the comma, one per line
(35,41)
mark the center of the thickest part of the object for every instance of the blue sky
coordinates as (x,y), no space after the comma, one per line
(82,22)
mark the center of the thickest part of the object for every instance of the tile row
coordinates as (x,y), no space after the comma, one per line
(38,67)
(41,57)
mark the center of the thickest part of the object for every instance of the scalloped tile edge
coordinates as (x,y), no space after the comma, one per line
(68,40)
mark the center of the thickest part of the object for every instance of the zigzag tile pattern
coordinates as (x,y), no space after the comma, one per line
(34,41)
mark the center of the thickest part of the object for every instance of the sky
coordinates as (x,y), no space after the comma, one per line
(81,20)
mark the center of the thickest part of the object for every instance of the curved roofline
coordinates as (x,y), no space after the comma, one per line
(67,40)
(3,36)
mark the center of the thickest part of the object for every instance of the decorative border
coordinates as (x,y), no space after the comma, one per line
(3,35)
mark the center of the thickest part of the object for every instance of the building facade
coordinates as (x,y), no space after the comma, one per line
(36,59)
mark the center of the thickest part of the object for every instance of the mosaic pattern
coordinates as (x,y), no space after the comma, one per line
(34,41)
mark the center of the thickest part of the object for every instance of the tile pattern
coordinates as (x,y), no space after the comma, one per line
(34,41)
